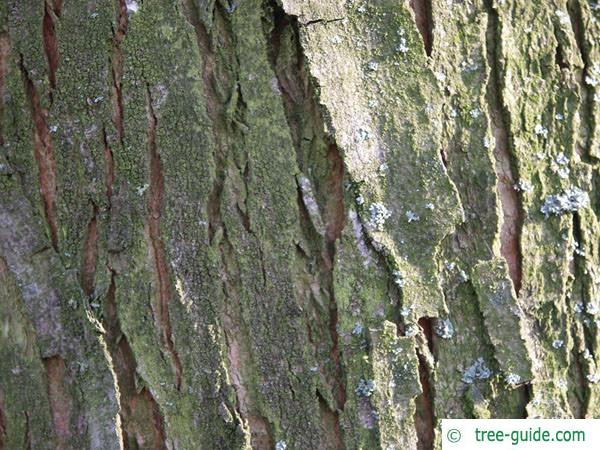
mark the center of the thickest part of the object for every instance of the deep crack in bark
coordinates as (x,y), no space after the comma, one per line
(4,55)
(512,215)
(109,169)
(52,10)
(302,114)
(2,421)
(142,422)
(60,402)
(424,409)
(116,63)
(424,21)
(44,155)
(161,267)
(90,254)
(586,102)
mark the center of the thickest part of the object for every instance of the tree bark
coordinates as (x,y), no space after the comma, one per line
(295,224)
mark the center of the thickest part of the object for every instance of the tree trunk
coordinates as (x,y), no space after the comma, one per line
(295,224)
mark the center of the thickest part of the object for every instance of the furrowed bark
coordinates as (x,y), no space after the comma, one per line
(161,271)
(295,224)
(44,156)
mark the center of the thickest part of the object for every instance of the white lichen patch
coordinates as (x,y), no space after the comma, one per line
(132,6)
(378,215)
(571,200)
(444,328)
(411,330)
(142,189)
(563,17)
(475,113)
(591,79)
(365,388)
(412,216)
(399,279)
(561,159)
(402,47)
(476,371)
(373,66)
(312,207)
(593,377)
(524,186)
(512,379)
(362,135)
(541,130)
(357,228)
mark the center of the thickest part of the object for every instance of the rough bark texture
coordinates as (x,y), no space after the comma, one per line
(295,224)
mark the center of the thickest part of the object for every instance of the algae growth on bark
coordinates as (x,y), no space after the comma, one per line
(295,224)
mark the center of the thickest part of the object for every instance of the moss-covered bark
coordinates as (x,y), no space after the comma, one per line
(295,224)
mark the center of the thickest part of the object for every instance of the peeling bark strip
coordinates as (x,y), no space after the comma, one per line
(44,155)
(424,21)
(512,214)
(116,64)
(161,268)
(142,422)
(51,15)
(60,403)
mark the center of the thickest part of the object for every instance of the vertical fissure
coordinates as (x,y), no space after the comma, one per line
(304,118)
(587,98)
(116,64)
(424,408)
(58,397)
(142,422)
(44,155)
(4,55)
(27,434)
(335,222)
(215,109)
(52,9)
(90,253)
(109,169)
(161,270)
(512,215)
(424,22)
(331,422)
(2,421)
(261,433)
(583,335)
(220,77)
